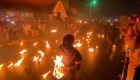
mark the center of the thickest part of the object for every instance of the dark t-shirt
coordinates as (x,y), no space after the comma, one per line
(70,56)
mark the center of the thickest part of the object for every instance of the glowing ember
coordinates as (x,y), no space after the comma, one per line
(103,36)
(1,66)
(87,36)
(35,58)
(21,43)
(97,47)
(99,36)
(78,45)
(18,63)
(91,50)
(47,44)
(58,72)
(87,40)
(56,40)
(10,65)
(114,46)
(42,54)
(23,51)
(83,38)
(45,75)
(35,44)
(54,31)
(90,33)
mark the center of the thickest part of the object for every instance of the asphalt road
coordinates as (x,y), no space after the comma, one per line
(97,65)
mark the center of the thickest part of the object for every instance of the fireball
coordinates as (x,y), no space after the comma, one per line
(18,63)
(45,75)
(10,65)
(23,51)
(53,31)
(35,58)
(56,40)
(78,45)
(41,53)
(47,44)
(97,47)
(58,72)
(35,44)
(91,50)
(114,46)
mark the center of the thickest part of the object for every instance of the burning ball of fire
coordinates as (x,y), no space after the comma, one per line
(45,75)
(58,68)
(18,63)
(91,50)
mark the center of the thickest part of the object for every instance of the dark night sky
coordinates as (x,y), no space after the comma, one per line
(108,7)
(111,8)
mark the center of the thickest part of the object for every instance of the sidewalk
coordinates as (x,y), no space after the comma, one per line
(27,40)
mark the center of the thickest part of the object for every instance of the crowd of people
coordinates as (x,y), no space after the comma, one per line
(16,32)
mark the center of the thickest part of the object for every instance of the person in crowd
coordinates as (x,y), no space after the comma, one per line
(5,33)
(39,29)
(44,29)
(14,33)
(36,30)
(29,30)
(132,40)
(18,32)
(25,28)
(71,57)
(21,32)
(10,32)
(33,30)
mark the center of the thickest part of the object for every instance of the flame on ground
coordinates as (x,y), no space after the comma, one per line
(45,75)
(18,63)
(47,44)
(78,45)
(35,58)
(91,50)
(41,53)
(35,44)
(10,65)
(23,51)
(54,31)
(58,72)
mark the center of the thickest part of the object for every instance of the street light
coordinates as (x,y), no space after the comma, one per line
(92,3)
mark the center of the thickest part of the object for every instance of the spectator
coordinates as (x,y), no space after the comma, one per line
(25,27)
(5,33)
(44,29)
(29,30)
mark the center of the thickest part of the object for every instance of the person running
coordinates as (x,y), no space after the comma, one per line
(71,57)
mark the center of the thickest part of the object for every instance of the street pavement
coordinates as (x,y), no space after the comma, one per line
(97,65)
